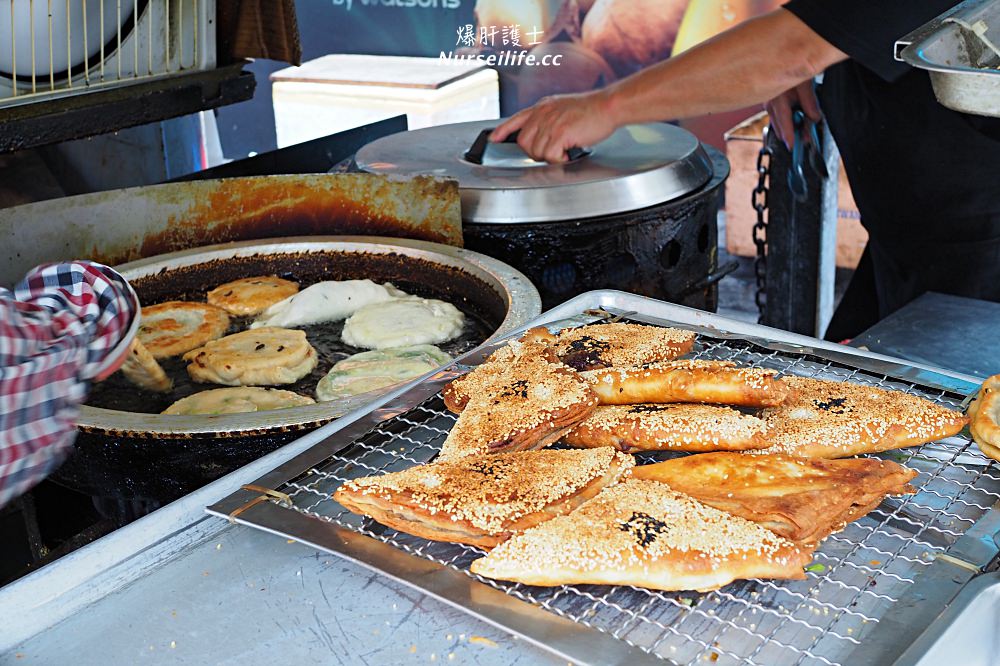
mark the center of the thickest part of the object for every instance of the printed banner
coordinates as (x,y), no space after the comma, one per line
(542,47)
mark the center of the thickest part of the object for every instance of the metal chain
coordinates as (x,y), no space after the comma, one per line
(760,201)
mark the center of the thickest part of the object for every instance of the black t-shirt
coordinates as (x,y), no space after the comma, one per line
(921,174)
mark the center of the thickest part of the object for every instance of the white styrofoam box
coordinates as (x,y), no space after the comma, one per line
(336,93)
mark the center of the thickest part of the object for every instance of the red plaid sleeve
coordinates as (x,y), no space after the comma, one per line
(56,326)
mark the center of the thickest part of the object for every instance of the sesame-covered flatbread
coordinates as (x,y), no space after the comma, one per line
(458,392)
(530,402)
(483,501)
(828,419)
(801,499)
(678,427)
(620,345)
(984,415)
(643,533)
(585,348)
(708,382)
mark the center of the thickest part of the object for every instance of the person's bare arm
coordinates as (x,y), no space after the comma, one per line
(749,64)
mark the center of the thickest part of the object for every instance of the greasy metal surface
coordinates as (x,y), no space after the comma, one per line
(940,329)
(286,606)
(865,570)
(662,252)
(964,71)
(125,225)
(966,632)
(637,167)
(100,111)
(935,601)
(500,297)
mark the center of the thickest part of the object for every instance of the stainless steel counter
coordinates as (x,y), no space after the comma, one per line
(949,331)
(243,597)
(180,587)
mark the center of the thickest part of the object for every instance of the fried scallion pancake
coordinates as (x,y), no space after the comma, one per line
(708,382)
(257,357)
(679,427)
(142,369)
(642,533)
(801,499)
(237,400)
(620,345)
(403,322)
(531,402)
(373,370)
(252,295)
(984,413)
(175,327)
(829,419)
(484,500)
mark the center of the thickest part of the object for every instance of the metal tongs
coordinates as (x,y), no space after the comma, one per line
(806,148)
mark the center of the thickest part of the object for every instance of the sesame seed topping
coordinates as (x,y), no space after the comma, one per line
(620,344)
(638,525)
(681,427)
(832,419)
(525,402)
(491,492)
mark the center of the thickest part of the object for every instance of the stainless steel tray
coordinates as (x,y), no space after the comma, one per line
(884,580)
(965,633)
(964,69)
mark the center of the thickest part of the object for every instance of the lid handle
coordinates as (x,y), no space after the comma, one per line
(477,151)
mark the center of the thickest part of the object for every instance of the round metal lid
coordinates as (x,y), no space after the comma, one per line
(636,167)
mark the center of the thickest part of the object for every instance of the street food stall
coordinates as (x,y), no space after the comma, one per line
(371,445)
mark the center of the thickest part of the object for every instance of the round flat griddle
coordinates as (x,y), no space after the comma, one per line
(494,297)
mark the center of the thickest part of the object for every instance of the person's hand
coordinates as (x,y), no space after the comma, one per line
(556,124)
(780,110)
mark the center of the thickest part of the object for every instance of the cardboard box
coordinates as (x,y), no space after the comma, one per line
(743,144)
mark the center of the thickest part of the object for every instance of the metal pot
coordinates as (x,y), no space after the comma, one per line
(161,457)
(635,212)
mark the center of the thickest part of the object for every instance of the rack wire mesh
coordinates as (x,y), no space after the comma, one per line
(60,47)
(857,575)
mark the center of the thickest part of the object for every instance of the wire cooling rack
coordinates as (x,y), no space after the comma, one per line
(856,578)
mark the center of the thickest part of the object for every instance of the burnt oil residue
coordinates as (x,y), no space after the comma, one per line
(263,207)
(160,469)
(483,307)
